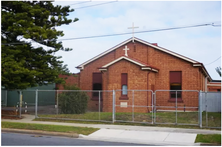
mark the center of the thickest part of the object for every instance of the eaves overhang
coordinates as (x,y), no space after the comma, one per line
(143,66)
(204,70)
(81,66)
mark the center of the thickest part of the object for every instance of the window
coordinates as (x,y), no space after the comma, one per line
(124,86)
(97,85)
(124,89)
(175,84)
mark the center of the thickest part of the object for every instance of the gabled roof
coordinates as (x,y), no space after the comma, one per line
(81,66)
(195,63)
(143,66)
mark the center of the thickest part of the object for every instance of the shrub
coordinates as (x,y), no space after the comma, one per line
(73,102)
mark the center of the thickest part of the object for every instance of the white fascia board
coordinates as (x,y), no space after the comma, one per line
(213,84)
(155,70)
(102,69)
(148,68)
(197,64)
(105,66)
(140,64)
(166,51)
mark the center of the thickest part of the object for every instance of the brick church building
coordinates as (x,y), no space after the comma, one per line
(139,65)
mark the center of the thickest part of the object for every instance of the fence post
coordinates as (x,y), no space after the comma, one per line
(36,103)
(155,107)
(200,109)
(176,107)
(153,94)
(133,108)
(206,109)
(57,102)
(6,98)
(20,104)
(99,105)
(114,103)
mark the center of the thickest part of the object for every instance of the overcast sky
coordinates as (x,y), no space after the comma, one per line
(202,44)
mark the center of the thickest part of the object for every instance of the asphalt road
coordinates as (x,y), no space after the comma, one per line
(17,139)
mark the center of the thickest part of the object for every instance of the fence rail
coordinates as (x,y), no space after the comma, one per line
(175,107)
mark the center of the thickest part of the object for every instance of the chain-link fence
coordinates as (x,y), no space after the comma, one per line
(85,105)
(134,106)
(181,107)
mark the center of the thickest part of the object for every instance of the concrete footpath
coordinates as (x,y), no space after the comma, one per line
(131,134)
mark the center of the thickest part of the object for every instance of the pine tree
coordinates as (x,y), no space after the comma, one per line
(24,64)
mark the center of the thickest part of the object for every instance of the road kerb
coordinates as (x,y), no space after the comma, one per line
(39,132)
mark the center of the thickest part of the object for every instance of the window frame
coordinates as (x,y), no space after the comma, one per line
(175,82)
(124,82)
(94,97)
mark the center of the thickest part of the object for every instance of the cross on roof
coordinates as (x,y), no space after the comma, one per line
(133,30)
(126,49)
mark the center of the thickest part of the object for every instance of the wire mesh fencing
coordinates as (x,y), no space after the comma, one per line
(178,107)
(84,105)
(134,106)
(28,102)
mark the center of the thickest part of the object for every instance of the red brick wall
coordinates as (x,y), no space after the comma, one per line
(70,80)
(167,63)
(192,78)
(214,86)
(86,73)
(136,80)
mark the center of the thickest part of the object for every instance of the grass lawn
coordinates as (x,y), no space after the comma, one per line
(214,119)
(53,128)
(209,138)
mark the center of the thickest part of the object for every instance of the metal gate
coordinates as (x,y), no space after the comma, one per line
(211,109)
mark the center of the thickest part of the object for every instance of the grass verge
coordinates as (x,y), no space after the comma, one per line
(121,123)
(52,128)
(213,118)
(209,138)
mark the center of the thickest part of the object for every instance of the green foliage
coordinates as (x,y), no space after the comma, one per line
(218,69)
(73,102)
(30,64)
